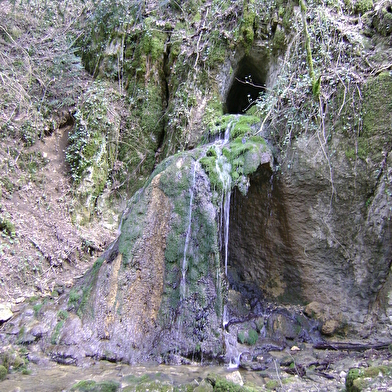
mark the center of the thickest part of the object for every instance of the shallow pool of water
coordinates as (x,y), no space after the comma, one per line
(55,378)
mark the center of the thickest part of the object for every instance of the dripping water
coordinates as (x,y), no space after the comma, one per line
(184,266)
(223,169)
(188,232)
(232,353)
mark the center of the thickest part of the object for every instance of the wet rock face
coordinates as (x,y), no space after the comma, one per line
(260,244)
(133,308)
(158,292)
(299,244)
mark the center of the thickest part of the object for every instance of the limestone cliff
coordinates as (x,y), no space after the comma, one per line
(305,169)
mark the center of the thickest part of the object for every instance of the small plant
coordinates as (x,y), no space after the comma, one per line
(56,333)
(36,309)
(7,184)
(7,227)
(62,315)
(74,297)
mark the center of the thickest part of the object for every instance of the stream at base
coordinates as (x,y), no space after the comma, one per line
(314,370)
(55,378)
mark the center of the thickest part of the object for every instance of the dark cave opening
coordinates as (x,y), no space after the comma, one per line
(247,86)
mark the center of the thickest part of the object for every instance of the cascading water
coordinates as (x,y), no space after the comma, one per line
(184,265)
(188,233)
(230,344)
(223,168)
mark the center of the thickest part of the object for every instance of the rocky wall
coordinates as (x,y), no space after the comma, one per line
(318,233)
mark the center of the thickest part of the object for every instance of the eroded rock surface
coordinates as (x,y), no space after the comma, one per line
(320,233)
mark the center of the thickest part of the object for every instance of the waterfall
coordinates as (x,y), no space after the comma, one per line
(232,353)
(223,168)
(188,233)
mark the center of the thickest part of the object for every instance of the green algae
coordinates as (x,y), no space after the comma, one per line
(93,386)
(359,379)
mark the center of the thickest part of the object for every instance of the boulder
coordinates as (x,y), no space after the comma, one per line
(5,312)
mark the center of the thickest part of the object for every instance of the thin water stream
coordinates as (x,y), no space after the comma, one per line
(188,231)
(223,169)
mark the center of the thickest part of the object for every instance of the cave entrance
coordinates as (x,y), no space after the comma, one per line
(248,84)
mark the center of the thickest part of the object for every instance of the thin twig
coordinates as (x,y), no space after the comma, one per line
(277,374)
(198,41)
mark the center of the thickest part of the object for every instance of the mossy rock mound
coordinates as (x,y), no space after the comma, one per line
(93,386)
(368,379)
(3,372)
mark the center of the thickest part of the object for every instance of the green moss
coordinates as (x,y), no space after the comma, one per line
(218,125)
(154,386)
(352,375)
(209,166)
(252,337)
(93,386)
(7,227)
(374,371)
(377,118)
(244,154)
(36,309)
(140,138)
(244,126)
(279,41)
(362,6)
(249,338)
(176,181)
(240,126)
(62,315)
(87,140)
(87,286)
(272,384)
(222,385)
(247,26)
(74,297)
(56,333)
(153,45)
(366,122)
(383,22)
(359,378)
(241,337)
(3,372)
(213,110)
(216,52)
